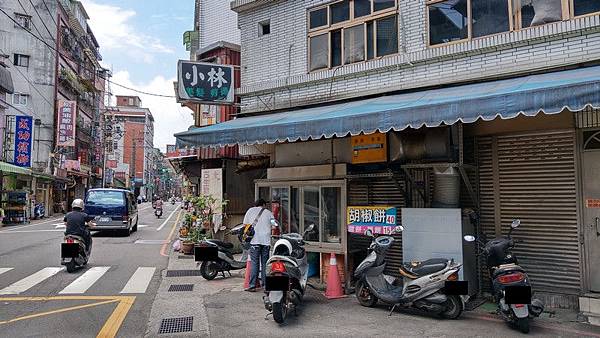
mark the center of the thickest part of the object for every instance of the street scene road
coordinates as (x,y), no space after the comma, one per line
(114,293)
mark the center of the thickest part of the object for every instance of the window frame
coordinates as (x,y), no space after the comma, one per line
(514,16)
(17,59)
(20,96)
(261,27)
(19,16)
(350,23)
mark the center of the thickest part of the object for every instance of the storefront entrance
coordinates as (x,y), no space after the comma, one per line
(591,205)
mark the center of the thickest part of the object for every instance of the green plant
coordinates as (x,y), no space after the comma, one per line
(197,234)
(207,206)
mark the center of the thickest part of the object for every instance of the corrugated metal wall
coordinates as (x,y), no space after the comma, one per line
(533,177)
(378,191)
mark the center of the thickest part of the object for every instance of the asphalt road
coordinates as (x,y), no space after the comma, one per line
(111,296)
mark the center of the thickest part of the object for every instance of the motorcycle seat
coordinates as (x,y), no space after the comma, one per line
(502,269)
(417,269)
(223,244)
(79,238)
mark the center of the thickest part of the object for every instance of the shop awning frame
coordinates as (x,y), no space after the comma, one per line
(549,93)
(7,168)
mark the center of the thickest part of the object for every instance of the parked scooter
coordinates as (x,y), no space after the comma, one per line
(287,274)
(158,212)
(75,254)
(421,287)
(39,211)
(224,260)
(509,278)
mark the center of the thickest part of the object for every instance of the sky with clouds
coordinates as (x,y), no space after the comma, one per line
(141,41)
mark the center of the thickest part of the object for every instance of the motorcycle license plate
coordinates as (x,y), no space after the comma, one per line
(518,294)
(207,253)
(456,288)
(69,250)
(277,283)
(104,219)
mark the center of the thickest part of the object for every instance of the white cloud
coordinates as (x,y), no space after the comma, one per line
(114,31)
(169,116)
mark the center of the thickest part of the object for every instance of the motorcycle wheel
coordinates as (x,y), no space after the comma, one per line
(523,324)
(364,296)
(71,266)
(454,308)
(279,312)
(208,270)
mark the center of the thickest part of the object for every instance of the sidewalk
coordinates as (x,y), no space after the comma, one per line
(220,308)
(57,217)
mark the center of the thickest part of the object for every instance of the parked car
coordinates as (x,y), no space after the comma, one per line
(112,209)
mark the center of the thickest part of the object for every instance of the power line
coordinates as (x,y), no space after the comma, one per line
(42,20)
(51,14)
(57,53)
(25,11)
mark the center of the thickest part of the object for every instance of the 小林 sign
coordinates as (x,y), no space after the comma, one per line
(379,219)
(66,123)
(23,136)
(205,82)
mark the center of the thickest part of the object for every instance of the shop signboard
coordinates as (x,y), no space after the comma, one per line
(23,136)
(171,148)
(211,184)
(379,219)
(66,123)
(202,82)
(370,148)
(209,115)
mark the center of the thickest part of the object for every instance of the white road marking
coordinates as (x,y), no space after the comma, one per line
(31,231)
(3,270)
(138,283)
(150,241)
(32,225)
(143,226)
(59,226)
(167,220)
(85,281)
(30,281)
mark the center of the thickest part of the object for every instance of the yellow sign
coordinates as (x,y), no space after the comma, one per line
(370,148)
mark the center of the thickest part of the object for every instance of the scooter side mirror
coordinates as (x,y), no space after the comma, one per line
(222,228)
(469,238)
(515,223)
(310,228)
(369,233)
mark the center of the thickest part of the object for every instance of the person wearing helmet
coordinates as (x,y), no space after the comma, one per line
(76,222)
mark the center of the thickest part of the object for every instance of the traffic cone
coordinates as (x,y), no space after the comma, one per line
(334,285)
(249,273)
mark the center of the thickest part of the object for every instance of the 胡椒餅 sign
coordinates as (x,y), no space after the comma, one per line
(205,82)
(66,123)
(23,136)
(379,219)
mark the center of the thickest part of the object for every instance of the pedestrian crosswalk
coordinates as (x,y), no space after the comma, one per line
(84,281)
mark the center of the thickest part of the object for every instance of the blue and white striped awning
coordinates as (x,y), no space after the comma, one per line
(549,93)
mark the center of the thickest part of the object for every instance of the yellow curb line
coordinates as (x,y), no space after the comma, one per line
(114,322)
(67,309)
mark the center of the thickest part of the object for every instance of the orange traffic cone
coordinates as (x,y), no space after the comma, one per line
(334,285)
(249,273)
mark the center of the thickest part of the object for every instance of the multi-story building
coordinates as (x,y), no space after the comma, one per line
(132,142)
(6,89)
(348,98)
(214,21)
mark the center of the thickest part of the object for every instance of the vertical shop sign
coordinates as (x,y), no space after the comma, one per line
(211,184)
(66,123)
(23,137)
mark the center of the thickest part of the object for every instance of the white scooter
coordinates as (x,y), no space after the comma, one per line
(287,274)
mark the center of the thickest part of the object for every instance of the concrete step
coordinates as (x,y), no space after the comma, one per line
(589,306)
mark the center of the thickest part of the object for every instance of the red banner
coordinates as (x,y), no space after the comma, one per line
(67,114)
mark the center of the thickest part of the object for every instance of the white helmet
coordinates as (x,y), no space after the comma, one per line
(77,203)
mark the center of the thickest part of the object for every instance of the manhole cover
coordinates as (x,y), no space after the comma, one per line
(175,325)
(183,273)
(185,257)
(181,287)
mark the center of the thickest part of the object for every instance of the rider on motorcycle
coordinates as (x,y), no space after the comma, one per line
(159,205)
(76,222)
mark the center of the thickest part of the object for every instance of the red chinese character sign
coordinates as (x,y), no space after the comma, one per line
(66,123)
(23,136)
(379,219)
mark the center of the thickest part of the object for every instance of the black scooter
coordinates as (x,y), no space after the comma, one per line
(74,253)
(510,283)
(217,256)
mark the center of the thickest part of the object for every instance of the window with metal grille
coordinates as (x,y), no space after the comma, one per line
(23,21)
(21,60)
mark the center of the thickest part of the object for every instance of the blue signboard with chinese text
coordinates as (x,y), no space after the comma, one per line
(205,82)
(23,138)
(379,219)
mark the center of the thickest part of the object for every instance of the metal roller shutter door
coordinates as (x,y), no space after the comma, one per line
(379,191)
(537,184)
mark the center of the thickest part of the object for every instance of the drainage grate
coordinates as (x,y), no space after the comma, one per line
(183,273)
(181,287)
(175,325)
(185,257)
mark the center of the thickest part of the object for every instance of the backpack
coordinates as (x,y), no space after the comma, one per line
(248,232)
